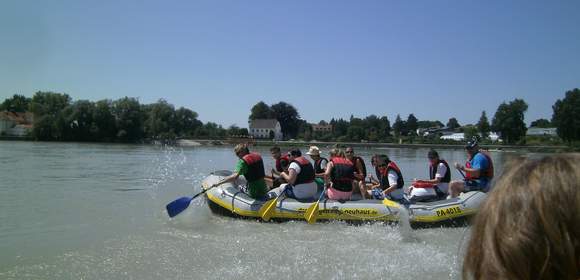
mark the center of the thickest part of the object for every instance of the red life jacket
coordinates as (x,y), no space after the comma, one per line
(486,173)
(361,174)
(385,175)
(306,174)
(282,163)
(342,174)
(433,171)
(318,165)
(255,167)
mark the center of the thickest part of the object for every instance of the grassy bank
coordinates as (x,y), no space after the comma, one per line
(531,148)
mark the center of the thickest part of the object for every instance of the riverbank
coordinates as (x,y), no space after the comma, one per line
(294,143)
(503,148)
(303,144)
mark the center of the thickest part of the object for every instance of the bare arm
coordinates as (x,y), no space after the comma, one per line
(474,173)
(290,177)
(390,189)
(359,168)
(327,173)
(392,184)
(430,181)
(372,179)
(228,179)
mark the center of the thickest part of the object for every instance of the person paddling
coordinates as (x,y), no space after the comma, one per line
(251,166)
(390,183)
(281,165)
(300,177)
(375,160)
(281,161)
(478,171)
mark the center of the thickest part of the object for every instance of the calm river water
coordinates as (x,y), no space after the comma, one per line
(96,211)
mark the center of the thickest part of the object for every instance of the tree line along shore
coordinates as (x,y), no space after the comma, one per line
(57,117)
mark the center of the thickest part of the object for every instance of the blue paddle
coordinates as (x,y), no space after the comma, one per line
(179,205)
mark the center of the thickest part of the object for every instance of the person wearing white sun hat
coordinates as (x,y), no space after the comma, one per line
(319,162)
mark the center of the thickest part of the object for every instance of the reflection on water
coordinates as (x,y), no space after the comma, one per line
(96,211)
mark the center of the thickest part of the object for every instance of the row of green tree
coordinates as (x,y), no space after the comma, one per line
(57,117)
(508,122)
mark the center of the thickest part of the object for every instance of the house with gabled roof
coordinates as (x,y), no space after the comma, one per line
(266,129)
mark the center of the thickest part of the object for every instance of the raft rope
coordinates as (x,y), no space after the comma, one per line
(233,209)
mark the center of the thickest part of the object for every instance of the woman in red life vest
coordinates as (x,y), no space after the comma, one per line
(339,177)
(437,184)
(391,181)
(375,160)
(300,178)
(360,171)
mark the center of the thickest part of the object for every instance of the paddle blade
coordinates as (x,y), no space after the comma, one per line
(177,206)
(390,203)
(311,213)
(267,210)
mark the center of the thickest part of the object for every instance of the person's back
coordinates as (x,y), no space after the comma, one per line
(529,226)
(304,170)
(341,173)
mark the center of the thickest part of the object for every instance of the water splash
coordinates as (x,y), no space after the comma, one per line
(405,226)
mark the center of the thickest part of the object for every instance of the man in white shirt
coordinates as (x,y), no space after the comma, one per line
(438,183)
(300,177)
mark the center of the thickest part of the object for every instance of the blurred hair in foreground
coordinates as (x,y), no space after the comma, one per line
(529,226)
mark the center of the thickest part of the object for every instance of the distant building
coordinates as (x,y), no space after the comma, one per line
(494,137)
(433,130)
(322,128)
(538,131)
(265,129)
(454,136)
(16,124)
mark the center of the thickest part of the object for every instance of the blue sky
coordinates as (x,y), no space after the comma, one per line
(436,59)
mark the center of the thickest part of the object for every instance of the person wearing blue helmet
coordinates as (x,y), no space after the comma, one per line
(478,171)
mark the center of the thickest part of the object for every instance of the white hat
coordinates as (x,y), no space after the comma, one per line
(313,151)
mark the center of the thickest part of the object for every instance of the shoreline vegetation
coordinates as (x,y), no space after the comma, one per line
(189,143)
(56,117)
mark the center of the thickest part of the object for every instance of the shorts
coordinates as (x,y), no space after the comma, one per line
(377,193)
(302,191)
(335,194)
(470,186)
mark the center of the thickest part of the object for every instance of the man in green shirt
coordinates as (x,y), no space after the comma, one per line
(251,166)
